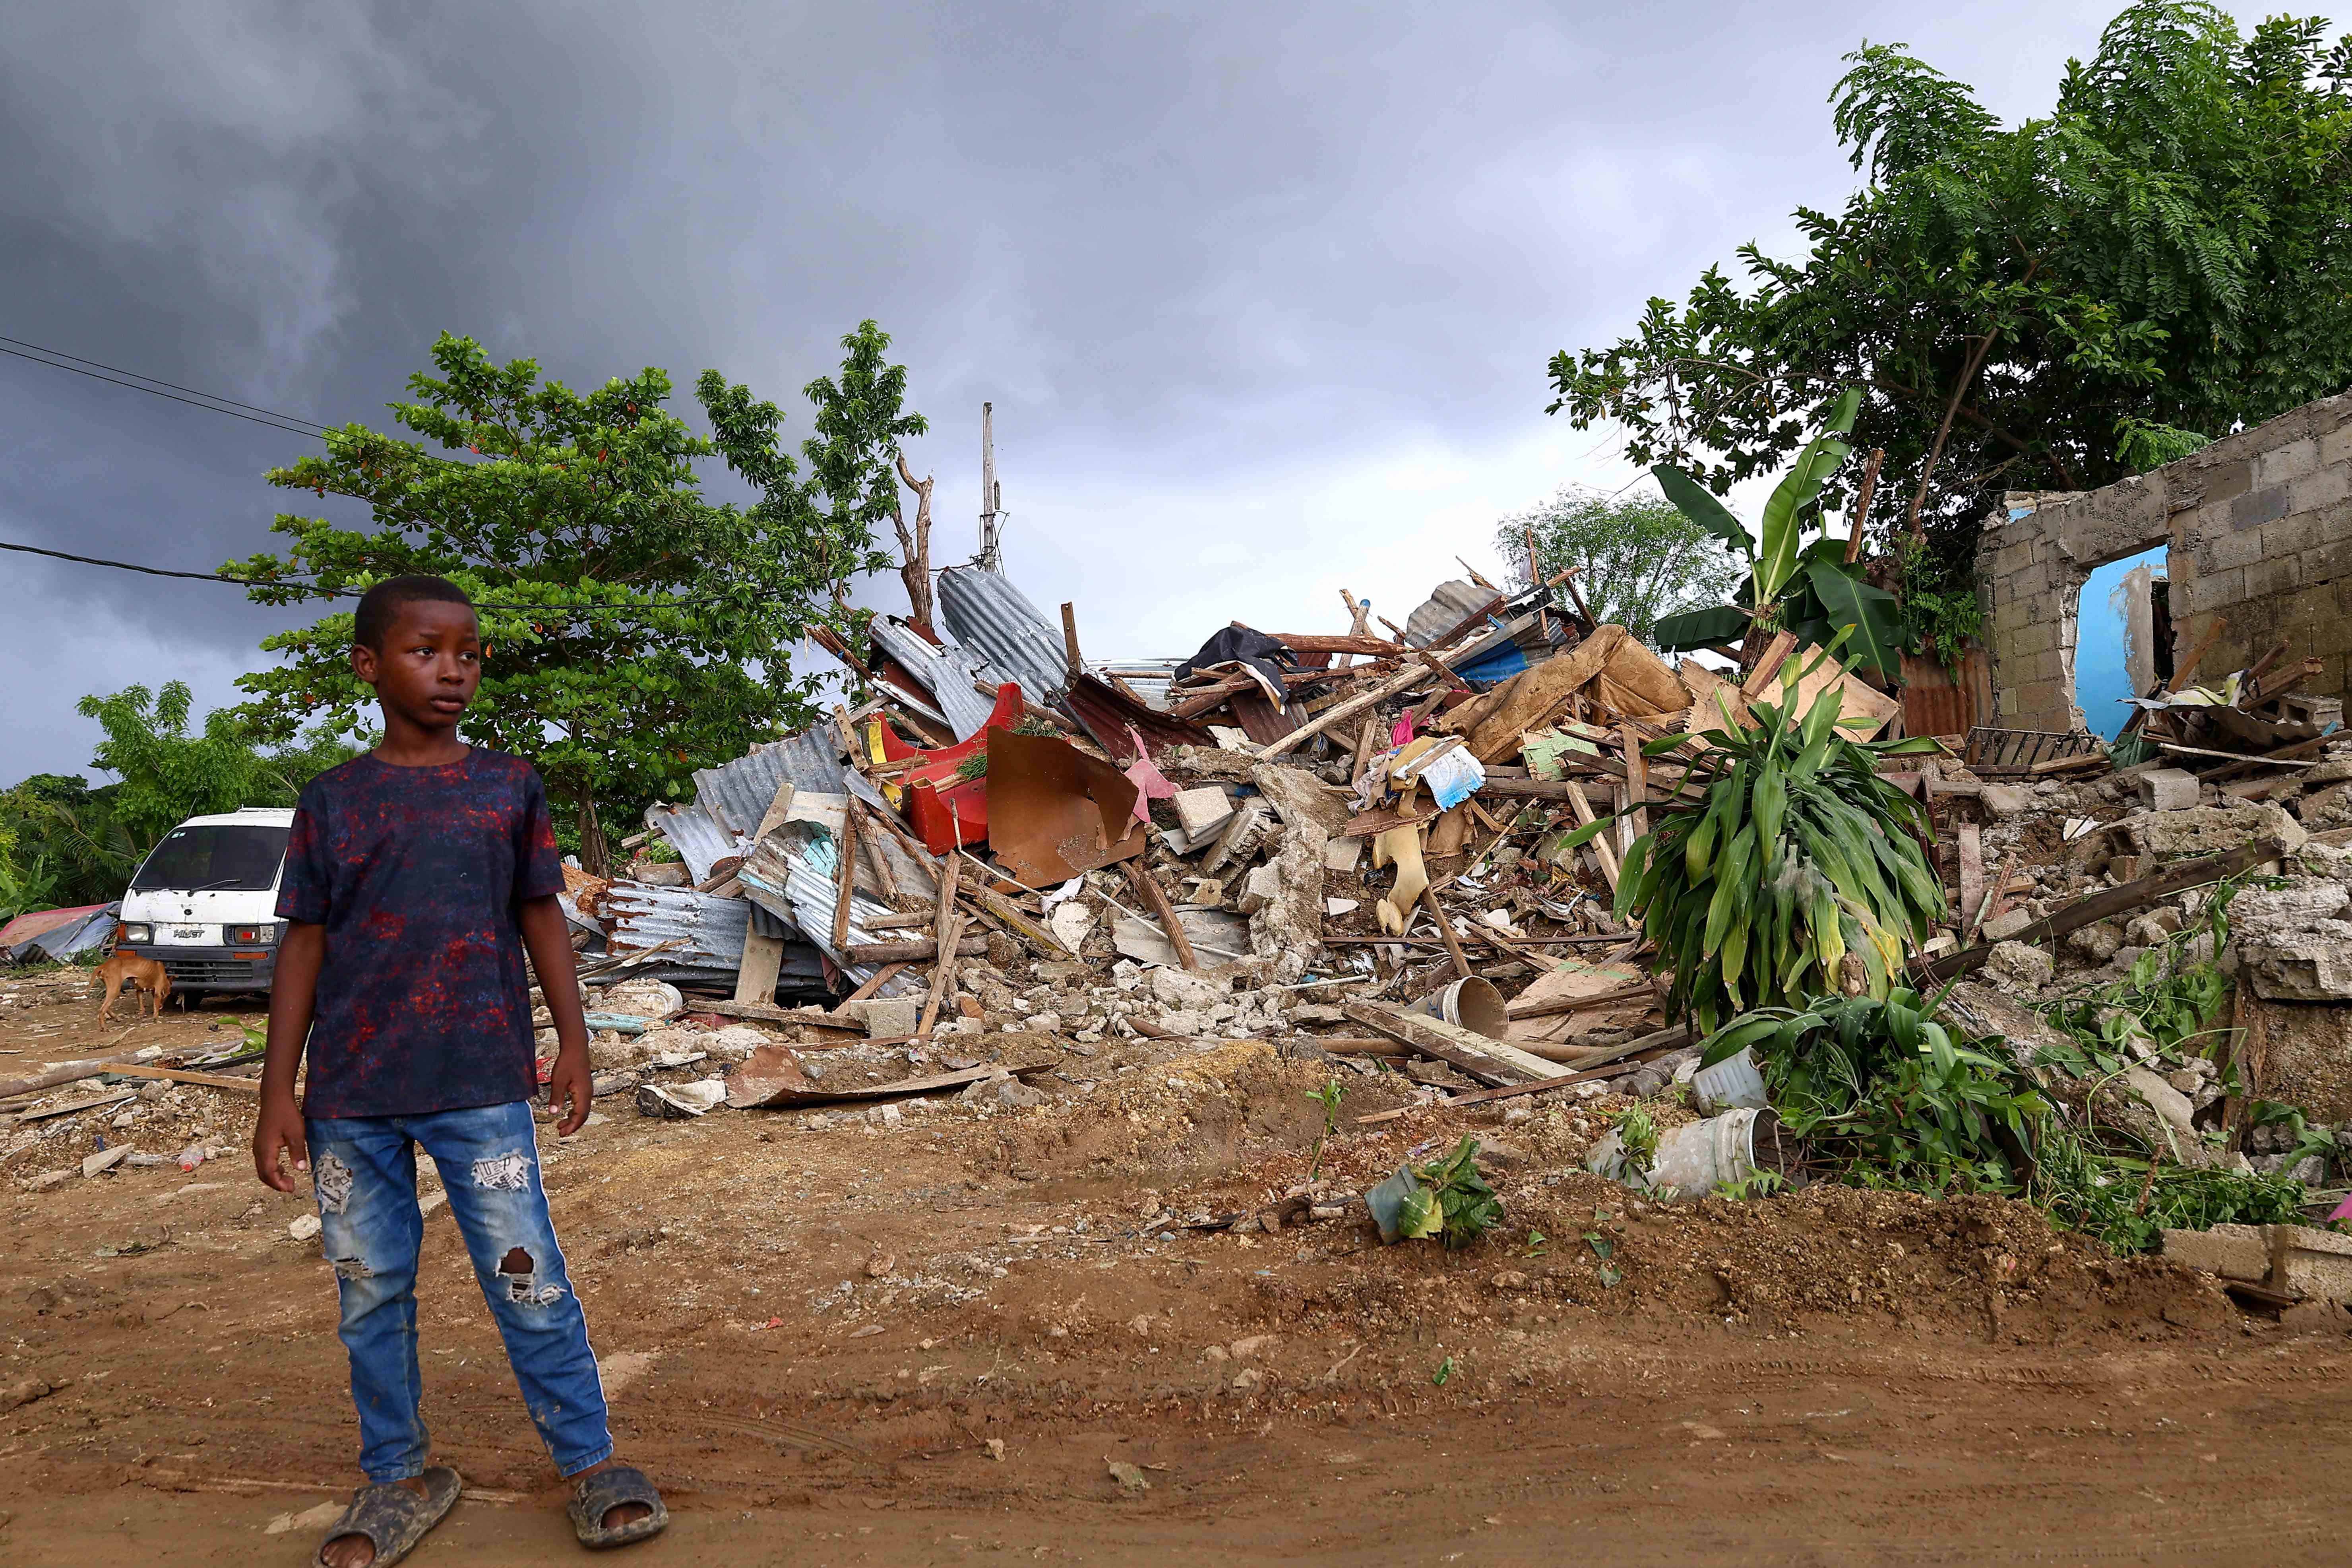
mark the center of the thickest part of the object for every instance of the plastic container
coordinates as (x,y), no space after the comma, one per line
(1692,1160)
(1731,1084)
(1473,1004)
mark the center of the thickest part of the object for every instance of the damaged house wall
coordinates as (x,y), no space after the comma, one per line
(2259,529)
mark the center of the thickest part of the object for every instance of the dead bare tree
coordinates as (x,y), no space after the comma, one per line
(915,546)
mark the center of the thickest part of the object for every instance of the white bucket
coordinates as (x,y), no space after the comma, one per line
(1731,1084)
(1473,1004)
(1691,1161)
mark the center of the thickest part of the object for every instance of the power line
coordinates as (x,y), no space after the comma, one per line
(159,380)
(292,424)
(326,591)
(152,391)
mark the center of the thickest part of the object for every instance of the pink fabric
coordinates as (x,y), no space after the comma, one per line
(1401,731)
(1149,783)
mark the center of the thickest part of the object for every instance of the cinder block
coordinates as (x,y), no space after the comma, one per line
(2167,789)
(2336,447)
(2006,925)
(2323,488)
(2231,1251)
(2290,461)
(2257,507)
(2221,588)
(890,1017)
(2328,561)
(2267,579)
(2032,639)
(2236,547)
(1200,810)
(2228,482)
(2311,1262)
(2297,532)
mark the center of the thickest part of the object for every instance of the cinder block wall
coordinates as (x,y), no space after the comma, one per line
(2258,528)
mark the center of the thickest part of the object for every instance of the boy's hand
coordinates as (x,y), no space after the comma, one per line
(571,1083)
(279,1126)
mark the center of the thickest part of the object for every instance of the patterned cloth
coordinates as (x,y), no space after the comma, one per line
(419,876)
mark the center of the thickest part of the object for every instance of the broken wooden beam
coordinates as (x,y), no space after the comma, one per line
(914,951)
(2115,902)
(1491,1062)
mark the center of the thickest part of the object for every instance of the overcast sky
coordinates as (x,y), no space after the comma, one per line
(1263,294)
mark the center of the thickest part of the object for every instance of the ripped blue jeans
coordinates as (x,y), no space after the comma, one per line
(363,1171)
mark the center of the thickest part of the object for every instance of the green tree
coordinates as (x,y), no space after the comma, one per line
(61,845)
(170,773)
(637,630)
(2165,256)
(1641,557)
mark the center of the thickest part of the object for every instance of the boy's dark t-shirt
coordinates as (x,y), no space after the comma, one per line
(419,875)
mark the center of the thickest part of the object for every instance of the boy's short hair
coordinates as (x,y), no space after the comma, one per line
(380,605)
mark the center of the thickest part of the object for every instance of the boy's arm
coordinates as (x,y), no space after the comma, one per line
(547,937)
(292,993)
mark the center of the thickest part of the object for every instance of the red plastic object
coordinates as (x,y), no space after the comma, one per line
(946,810)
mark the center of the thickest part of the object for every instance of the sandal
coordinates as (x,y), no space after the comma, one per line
(393,1518)
(605,1490)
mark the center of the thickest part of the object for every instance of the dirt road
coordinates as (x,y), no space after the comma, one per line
(851,1344)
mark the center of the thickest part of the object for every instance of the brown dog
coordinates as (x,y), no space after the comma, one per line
(128,971)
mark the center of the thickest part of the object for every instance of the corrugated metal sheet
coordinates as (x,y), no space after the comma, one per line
(700,842)
(709,928)
(794,880)
(948,673)
(1443,609)
(988,614)
(738,794)
(25,927)
(1149,678)
(90,930)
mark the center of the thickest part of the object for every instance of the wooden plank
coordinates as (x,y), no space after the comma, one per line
(1578,803)
(1972,873)
(758,1094)
(1320,642)
(101,1102)
(1411,676)
(1637,779)
(1155,898)
(844,881)
(1445,933)
(915,951)
(763,960)
(1553,1007)
(175,1075)
(995,907)
(1508,1091)
(1491,1062)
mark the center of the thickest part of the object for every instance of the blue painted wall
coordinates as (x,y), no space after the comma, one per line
(2101,681)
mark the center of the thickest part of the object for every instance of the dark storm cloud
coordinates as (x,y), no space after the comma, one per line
(1269,288)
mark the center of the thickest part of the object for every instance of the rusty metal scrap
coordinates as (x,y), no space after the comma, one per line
(1054,812)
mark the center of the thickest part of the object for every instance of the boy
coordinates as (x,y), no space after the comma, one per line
(416,878)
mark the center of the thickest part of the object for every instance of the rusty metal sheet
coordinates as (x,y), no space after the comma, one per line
(1106,713)
(1260,719)
(1054,812)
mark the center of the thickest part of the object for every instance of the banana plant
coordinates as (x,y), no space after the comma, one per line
(1798,873)
(1814,591)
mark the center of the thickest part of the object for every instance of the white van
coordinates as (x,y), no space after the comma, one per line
(205,904)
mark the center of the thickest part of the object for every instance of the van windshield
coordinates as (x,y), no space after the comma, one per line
(228,858)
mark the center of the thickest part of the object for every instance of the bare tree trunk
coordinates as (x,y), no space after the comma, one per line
(915,547)
(1944,429)
(595,854)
